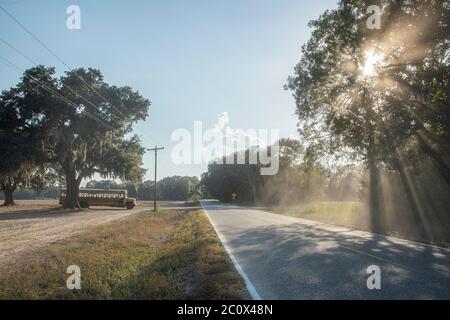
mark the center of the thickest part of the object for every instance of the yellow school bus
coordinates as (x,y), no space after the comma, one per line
(101,197)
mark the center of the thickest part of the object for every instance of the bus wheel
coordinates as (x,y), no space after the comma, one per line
(130,206)
(84,204)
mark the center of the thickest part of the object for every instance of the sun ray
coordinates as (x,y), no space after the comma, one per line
(372,62)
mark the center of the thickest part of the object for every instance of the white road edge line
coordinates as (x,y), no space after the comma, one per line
(250,288)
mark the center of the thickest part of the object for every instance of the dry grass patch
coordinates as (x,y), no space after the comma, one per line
(174,254)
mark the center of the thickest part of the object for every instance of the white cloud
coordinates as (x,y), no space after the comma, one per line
(251,136)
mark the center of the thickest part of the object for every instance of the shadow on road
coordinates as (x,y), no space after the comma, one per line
(301,260)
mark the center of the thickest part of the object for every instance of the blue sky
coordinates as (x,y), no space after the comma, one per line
(194,59)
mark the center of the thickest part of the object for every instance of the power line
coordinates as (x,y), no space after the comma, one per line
(47,88)
(59,59)
(43,69)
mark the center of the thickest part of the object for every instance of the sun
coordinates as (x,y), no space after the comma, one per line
(371,63)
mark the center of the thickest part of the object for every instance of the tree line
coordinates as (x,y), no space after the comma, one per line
(300,179)
(168,188)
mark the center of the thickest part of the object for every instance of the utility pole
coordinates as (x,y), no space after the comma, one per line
(156,164)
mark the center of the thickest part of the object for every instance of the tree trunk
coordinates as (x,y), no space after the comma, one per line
(287,178)
(374,197)
(8,190)
(375,201)
(254,193)
(72,186)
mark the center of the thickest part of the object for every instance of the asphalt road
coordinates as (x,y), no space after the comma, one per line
(282,257)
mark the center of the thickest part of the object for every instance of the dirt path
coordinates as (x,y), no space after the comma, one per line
(29,226)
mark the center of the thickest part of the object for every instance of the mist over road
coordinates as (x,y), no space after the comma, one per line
(290,258)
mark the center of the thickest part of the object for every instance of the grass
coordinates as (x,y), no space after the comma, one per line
(344,213)
(173,254)
(30,206)
(347,214)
